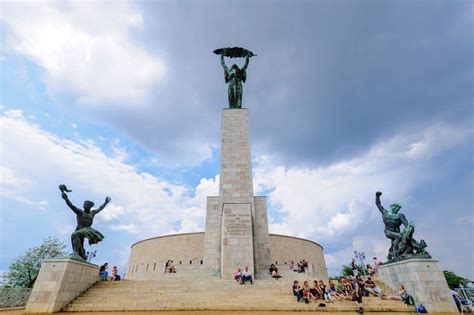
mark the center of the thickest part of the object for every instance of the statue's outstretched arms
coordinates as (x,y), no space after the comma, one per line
(223,63)
(404,220)
(246,63)
(69,204)
(378,203)
(107,200)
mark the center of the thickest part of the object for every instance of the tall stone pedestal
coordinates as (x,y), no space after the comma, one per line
(230,243)
(423,279)
(59,282)
(237,238)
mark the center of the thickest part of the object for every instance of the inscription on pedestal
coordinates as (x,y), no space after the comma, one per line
(237,240)
(237,224)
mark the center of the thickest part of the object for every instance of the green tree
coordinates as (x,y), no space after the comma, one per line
(346,271)
(454,281)
(23,272)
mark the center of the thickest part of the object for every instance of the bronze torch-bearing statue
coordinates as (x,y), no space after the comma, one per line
(85,218)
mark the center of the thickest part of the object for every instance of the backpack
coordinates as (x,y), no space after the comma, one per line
(409,300)
(420,309)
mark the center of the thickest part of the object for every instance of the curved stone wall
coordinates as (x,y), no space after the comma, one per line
(286,249)
(147,257)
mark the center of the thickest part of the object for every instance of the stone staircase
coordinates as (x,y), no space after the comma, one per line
(180,292)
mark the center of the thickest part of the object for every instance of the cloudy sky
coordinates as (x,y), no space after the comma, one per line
(345,97)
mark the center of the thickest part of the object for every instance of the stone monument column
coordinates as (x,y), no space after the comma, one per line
(236,221)
(236,193)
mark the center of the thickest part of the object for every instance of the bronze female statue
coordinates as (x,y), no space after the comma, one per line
(235,76)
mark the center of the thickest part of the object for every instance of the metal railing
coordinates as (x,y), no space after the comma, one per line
(14,297)
(466,293)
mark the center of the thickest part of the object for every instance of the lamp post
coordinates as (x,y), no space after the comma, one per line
(361,257)
(91,255)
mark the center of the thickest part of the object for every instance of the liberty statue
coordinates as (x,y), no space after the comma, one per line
(235,76)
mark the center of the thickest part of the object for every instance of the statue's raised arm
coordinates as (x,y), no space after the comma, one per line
(378,203)
(106,202)
(68,202)
(223,63)
(226,69)
(246,63)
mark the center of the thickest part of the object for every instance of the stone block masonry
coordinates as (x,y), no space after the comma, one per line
(212,237)
(261,240)
(223,250)
(237,239)
(422,278)
(59,282)
(236,166)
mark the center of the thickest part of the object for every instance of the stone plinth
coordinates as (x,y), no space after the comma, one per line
(423,279)
(237,239)
(212,237)
(235,183)
(261,240)
(236,188)
(59,282)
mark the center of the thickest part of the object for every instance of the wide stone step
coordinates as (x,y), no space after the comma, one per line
(235,308)
(193,286)
(210,290)
(209,294)
(212,301)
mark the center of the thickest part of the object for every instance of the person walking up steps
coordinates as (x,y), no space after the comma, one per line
(357,293)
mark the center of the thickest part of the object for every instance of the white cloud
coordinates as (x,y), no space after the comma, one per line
(193,218)
(130,228)
(337,196)
(376,248)
(119,152)
(65,229)
(151,206)
(85,48)
(13,187)
(335,204)
(437,139)
(14,113)
(113,212)
(121,257)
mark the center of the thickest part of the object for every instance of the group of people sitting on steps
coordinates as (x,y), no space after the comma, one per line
(104,274)
(347,288)
(299,267)
(241,276)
